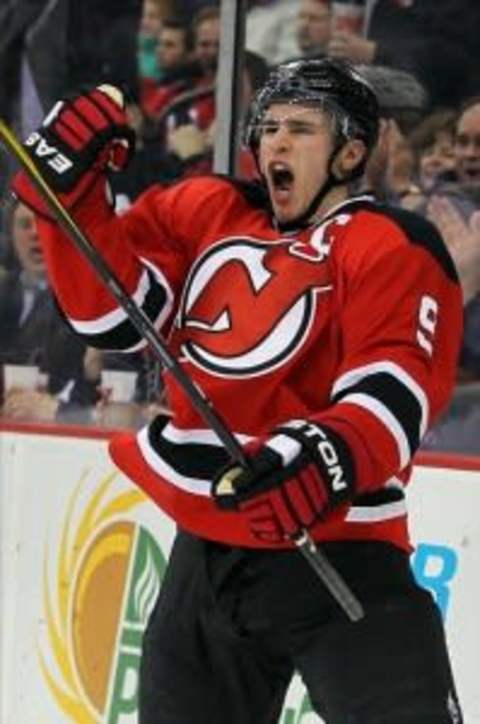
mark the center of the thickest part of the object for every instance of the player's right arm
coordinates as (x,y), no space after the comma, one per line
(80,140)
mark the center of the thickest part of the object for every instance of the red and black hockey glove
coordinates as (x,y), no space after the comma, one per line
(294,478)
(81,137)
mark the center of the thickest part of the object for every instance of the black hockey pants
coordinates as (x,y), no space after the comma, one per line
(231,626)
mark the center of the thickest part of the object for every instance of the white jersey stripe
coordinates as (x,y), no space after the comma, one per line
(376,513)
(118,315)
(176,435)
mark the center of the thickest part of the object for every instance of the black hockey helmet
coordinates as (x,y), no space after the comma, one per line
(333,85)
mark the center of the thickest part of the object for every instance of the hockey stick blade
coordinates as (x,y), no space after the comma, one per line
(145,328)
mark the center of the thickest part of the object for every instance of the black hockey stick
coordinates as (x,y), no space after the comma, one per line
(331,579)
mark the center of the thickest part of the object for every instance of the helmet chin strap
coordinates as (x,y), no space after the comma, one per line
(308,216)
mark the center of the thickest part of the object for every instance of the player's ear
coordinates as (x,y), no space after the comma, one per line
(349,157)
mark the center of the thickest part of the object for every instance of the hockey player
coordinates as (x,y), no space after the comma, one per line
(325,329)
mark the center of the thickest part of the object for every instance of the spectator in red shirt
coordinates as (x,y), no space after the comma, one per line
(174,56)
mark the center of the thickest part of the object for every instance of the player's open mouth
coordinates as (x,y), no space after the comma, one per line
(281,179)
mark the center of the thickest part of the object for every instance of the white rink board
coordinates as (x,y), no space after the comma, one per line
(81,561)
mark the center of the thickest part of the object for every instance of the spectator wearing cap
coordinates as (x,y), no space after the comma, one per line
(403,102)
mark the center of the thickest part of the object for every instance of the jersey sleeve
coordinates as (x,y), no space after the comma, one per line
(146,248)
(400,327)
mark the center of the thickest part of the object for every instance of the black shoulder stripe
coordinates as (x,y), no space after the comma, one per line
(420,231)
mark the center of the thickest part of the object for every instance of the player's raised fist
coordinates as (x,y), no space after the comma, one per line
(82,136)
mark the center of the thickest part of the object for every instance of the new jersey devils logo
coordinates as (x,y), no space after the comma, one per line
(248,305)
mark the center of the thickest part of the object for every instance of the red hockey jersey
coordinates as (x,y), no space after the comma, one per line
(355,322)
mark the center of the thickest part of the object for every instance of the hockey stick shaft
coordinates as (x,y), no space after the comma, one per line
(136,315)
(337,587)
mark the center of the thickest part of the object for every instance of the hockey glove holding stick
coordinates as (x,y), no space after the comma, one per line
(294,478)
(81,137)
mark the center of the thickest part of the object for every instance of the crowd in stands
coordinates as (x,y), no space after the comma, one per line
(423,60)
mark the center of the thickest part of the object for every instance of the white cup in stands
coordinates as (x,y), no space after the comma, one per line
(26,377)
(119,385)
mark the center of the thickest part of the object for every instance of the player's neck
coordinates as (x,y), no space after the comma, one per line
(335,197)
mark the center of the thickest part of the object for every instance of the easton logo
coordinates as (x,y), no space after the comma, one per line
(249,305)
(54,158)
(327,452)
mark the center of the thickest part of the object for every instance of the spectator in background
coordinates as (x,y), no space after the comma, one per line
(403,101)
(179,73)
(458,430)
(462,237)
(467,142)
(190,97)
(149,64)
(148,164)
(432,144)
(458,184)
(206,34)
(454,209)
(174,44)
(33,332)
(25,302)
(313,27)
(431,39)
(458,197)
(192,146)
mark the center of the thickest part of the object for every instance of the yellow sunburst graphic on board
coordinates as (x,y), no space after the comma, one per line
(107,575)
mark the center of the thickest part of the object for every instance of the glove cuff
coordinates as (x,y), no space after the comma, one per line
(25,190)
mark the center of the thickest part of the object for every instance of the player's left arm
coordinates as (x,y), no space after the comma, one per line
(400,322)
(401,333)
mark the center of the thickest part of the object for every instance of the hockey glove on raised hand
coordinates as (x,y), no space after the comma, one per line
(80,138)
(294,478)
